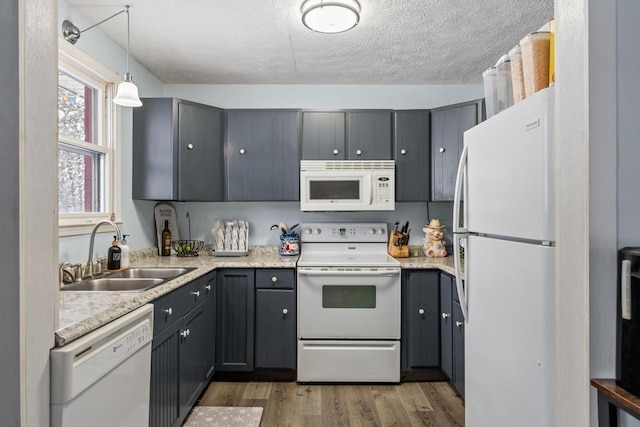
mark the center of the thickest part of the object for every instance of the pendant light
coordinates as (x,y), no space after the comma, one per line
(127,93)
(330,16)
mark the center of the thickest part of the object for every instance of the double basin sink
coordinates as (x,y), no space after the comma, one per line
(136,279)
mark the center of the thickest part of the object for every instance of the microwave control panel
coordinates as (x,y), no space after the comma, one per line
(383,189)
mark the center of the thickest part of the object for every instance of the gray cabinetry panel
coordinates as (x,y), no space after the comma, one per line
(262,155)
(275,328)
(275,278)
(235,290)
(323,135)
(412,153)
(163,400)
(446,325)
(209,326)
(164,167)
(190,360)
(458,348)
(421,326)
(448,125)
(369,135)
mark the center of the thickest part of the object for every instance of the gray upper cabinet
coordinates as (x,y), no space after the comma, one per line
(369,135)
(412,153)
(323,135)
(262,155)
(448,125)
(177,151)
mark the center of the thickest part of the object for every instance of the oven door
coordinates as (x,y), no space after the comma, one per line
(339,303)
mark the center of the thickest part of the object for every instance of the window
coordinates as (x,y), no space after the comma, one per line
(88,159)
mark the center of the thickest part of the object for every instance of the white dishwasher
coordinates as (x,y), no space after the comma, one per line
(102,379)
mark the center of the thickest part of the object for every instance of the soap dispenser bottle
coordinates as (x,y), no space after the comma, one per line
(124,254)
(113,256)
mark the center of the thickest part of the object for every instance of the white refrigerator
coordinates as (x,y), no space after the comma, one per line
(508,296)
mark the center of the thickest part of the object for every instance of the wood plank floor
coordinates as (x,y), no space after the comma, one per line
(292,404)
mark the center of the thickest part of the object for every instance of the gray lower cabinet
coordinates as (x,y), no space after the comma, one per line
(420,343)
(262,155)
(323,135)
(451,333)
(177,151)
(412,153)
(275,319)
(177,368)
(448,125)
(235,291)
(369,135)
(209,327)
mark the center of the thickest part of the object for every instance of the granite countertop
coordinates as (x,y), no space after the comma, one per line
(82,312)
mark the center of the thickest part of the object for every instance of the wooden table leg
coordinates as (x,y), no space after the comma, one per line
(607,411)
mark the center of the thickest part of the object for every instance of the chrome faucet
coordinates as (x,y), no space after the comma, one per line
(89,269)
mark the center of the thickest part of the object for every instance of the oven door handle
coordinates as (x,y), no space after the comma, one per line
(384,273)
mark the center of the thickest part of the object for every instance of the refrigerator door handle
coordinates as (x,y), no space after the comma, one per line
(625,289)
(459,231)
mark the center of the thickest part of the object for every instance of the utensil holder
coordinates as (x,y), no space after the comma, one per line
(289,244)
(398,250)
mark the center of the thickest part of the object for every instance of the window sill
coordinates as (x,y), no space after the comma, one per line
(78,229)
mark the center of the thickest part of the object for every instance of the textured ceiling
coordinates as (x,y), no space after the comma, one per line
(265,42)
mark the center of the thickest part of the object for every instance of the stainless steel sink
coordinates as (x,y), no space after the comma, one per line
(151,272)
(137,279)
(114,284)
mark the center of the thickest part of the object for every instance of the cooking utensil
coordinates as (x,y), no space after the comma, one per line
(395,229)
(294,226)
(275,227)
(284,228)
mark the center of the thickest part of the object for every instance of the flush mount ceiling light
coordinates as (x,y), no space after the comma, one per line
(127,94)
(330,16)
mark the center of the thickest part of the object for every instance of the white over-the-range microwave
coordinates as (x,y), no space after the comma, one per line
(347,185)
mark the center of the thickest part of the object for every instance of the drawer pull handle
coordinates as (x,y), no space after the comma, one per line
(189,146)
(459,323)
(358,152)
(195,293)
(274,279)
(185,333)
(421,312)
(208,287)
(335,151)
(445,315)
(403,151)
(285,311)
(442,149)
(169,311)
(242,151)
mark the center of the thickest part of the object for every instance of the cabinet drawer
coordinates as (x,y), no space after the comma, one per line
(171,307)
(275,278)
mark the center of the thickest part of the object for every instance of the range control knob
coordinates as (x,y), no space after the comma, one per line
(317,231)
(308,231)
(372,231)
(380,231)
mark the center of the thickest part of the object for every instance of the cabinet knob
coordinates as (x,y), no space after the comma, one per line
(242,151)
(195,293)
(421,311)
(403,151)
(168,311)
(445,315)
(285,311)
(189,146)
(274,279)
(336,151)
(459,323)
(442,149)
(358,152)
(207,287)
(185,333)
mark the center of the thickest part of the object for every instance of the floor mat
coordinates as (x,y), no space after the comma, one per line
(223,416)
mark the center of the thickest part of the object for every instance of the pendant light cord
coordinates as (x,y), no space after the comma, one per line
(128,36)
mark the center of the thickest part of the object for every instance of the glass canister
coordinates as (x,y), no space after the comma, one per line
(490,77)
(289,244)
(535,61)
(517,76)
(504,88)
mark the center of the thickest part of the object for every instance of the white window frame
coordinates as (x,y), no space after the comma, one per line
(73,61)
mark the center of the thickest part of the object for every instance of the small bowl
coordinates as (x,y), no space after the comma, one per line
(185,248)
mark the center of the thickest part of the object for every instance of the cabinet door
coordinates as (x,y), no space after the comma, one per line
(263,155)
(200,172)
(209,327)
(458,348)
(446,325)
(163,401)
(235,320)
(412,153)
(421,315)
(369,135)
(275,328)
(448,127)
(190,369)
(323,135)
